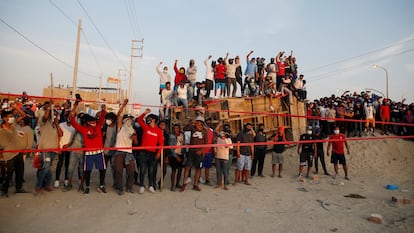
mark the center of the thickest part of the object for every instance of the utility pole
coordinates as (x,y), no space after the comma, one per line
(75,70)
(118,94)
(133,48)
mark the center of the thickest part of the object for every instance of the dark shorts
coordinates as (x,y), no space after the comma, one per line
(194,160)
(97,159)
(174,163)
(338,158)
(208,160)
(306,159)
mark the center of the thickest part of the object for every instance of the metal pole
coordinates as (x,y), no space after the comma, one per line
(75,70)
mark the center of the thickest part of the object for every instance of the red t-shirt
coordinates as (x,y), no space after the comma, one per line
(220,70)
(151,136)
(338,146)
(385,111)
(179,77)
(92,136)
(281,67)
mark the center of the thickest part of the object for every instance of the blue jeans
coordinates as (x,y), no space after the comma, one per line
(148,162)
(184,102)
(45,173)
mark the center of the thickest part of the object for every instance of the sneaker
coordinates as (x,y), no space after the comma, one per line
(334,177)
(226,188)
(299,175)
(261,175)
(183,187)
(4,194)
(81,188)
(86,192)
(37,191)
(188,180)
(20,190)
(120,192)
(347,178)
(151,189)
(56,184)
(207,182)
(49,188)
(141,190)
(201,180)
(196,188)
(102,189)
(65,183)
(130,190)
(67,187)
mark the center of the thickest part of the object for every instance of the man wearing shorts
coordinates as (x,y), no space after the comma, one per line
(338,141)
(92,138)
(278,149)
(245,153)
(307,151)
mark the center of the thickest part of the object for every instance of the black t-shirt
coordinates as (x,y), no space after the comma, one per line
(279,148)
(307,147)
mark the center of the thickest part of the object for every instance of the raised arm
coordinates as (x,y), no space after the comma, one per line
(248,55)
(119,116)
(158,68)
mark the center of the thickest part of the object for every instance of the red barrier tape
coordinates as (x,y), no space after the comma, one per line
(205,145)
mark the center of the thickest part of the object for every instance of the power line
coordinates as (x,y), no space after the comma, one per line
(358,56)
(83,33)
(100,33)
(134,14)
(36,45)
(42,49)
(322,76)
(64,14)
(131,22)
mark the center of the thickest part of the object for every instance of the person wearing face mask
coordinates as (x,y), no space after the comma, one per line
(260,152)
(92,139)
(180,76)
(51,132)
(307,151)
(152,136)
(337,141)
(164,76)
(123,157)
(109,131)
(245,153)
(9,140)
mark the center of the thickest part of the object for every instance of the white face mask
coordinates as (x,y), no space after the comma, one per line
(336,131)
(11,120)
(165,71)
(108,122)
(309,132)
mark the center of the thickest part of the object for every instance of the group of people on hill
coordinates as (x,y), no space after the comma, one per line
(279,77)
(357,114)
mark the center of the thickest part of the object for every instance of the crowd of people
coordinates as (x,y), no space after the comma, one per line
(356,114)
(76,142)
(224,76)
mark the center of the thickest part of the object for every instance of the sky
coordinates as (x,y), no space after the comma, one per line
(336,43)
